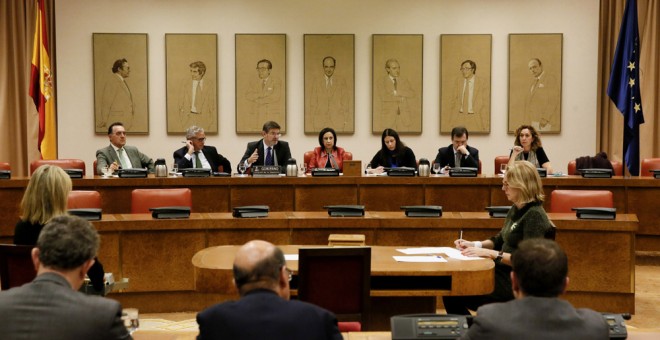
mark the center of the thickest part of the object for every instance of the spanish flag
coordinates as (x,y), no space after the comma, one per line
(41,86)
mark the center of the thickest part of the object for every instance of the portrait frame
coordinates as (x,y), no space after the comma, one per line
(260,99)
(191,101)
(535,100)
(116,100)
(399,109)
(465,59)
(329,102)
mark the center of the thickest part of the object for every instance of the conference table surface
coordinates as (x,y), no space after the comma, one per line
(474,277)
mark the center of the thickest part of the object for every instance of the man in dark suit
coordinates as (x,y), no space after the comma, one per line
(458,150)
(50,307)
(118,155)
(197,155)
(538,277)
(264,310)
(269,150)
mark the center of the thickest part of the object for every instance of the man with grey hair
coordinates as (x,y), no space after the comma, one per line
(50,307)
(264,310)
(197,99)
(195,154)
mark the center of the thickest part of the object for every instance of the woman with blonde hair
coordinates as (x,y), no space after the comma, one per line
(46,197)
(526,219)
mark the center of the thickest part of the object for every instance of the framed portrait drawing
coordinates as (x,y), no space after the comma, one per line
(329,82)
(535,66)
(121,81)
(397,78)
(465,74)
(192,77)
(260,81)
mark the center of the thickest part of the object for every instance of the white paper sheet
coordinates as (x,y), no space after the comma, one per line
(418,259)
(451,252)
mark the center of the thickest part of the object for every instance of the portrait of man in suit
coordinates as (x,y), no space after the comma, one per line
(264,93)
(397,83)
(197,99)
(121,81)
(471,98)
(329,98)
(542,100)
(117,99)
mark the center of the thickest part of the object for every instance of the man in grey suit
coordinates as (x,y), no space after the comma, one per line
(538,277)
(50,307)
(119,155)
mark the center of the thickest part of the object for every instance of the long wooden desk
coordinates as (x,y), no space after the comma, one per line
(396,287)
(631,195)
(156,254)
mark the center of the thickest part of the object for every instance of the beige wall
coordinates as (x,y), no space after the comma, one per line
(577,20)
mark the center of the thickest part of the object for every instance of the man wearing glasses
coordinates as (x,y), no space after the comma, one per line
(264,310)
(197,155)
(470,99)
(270,150)
(265,94)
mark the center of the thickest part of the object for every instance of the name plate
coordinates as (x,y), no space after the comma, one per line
(266,171)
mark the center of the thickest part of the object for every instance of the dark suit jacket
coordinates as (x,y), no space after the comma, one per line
(108,155)
(282,153)
(537,318)
(408,159)
(47,308)
(446,157)
(262,314)
(211,154)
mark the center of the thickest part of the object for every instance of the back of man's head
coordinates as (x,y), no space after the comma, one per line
(258,265)
(540,267)
(67,242)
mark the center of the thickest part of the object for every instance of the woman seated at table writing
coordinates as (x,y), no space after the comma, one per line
(392,154)
(328,154)
(46,196)
(526,219)
(527,147)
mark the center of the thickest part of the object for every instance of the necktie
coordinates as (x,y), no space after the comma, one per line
(394,79)
(457,159)
(466,93)
(198,162)
(195,98)
(120,152)
(269,156)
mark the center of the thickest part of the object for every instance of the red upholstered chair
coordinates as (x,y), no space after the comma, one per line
(349,326)
(16,267)
(561,201)
(5,166)
(617,166)
(96,173)
(143,199)
(83,199)
(337,279)
(70,163)
(649,164)
(499,160)
(479,169)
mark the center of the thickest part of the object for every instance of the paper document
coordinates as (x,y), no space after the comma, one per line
(291,257)
(451,252)
(427,258)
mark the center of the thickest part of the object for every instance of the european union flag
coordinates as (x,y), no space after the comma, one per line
(623,88)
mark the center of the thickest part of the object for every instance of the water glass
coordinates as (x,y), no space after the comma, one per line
(242,168)
(503,168)
(131,320)
(175,168)
(303,169)
(107,171)
(436,168)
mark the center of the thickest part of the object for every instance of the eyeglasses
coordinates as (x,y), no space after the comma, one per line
(288,271)
(275,134)
(202,139)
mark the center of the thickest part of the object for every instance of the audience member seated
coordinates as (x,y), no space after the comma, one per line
(269,150)
(392,154)
(458,154)
(198,155)
(46,197)
(118,155)
(50,307)
(328,154)
(539,276)
(527,147)
(264,310)
(526,219)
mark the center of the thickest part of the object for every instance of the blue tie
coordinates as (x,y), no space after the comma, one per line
(269,156)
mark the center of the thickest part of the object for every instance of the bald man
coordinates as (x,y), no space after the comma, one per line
(264,310)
